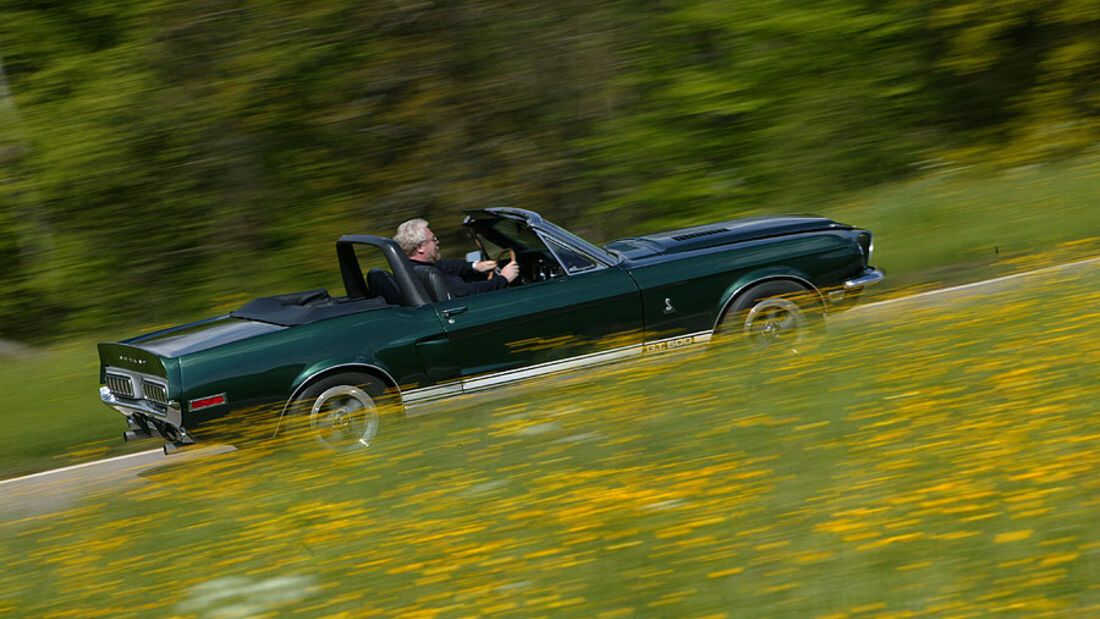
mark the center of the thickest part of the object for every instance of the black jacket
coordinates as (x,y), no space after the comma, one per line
(463,279)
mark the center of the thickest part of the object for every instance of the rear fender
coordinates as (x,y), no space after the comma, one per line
(321,371)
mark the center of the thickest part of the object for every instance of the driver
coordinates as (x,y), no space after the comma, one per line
(463,278)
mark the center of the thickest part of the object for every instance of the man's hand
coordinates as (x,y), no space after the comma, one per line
(510,271)
(485,266)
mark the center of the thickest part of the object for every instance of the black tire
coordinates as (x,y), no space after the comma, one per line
(343,411)
(779,316)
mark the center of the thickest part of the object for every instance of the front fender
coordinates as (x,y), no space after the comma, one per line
(758,276)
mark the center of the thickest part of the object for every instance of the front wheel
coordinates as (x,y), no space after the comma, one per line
(779,316)
(344,411)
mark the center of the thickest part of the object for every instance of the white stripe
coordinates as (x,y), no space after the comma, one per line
(80,466)
(417,397)
(987,282)
(510,376)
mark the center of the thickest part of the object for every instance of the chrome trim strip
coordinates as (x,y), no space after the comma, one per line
(572,240)
(416,397)
(870,276)
(425,395)
(544,236)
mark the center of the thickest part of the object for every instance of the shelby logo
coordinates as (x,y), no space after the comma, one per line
(670,344)
(133,360)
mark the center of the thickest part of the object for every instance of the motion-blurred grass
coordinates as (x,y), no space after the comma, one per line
(947,228)
(963,226)
(50,410)
(927,460)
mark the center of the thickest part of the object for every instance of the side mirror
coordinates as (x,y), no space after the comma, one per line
(475,256)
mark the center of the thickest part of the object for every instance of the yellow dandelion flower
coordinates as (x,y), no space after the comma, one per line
(1013,536)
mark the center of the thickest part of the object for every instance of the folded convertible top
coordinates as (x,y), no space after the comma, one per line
(302,308)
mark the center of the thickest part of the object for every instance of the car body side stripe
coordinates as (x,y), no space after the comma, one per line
(425,395)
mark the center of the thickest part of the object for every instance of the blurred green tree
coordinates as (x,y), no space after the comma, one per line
(1018,74)
(166,158)
(750,105)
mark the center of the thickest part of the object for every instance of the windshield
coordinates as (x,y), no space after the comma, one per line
(497,233)
(596,252)
(505,233)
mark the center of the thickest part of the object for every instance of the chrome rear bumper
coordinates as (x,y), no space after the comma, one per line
(146,419)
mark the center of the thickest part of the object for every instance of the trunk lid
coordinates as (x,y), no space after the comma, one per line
(131,358)
(193,337)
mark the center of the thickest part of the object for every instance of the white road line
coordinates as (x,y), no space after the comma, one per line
(79,466)
(978,284)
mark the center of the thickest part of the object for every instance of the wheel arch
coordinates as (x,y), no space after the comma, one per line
(319,375)
(745,285)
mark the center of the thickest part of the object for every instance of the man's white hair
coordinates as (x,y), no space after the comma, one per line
(412,234)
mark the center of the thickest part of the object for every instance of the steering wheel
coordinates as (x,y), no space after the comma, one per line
(506,256)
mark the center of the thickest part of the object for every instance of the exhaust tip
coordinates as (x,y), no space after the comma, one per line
(134,435)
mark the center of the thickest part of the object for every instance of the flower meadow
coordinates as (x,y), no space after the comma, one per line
(932,459)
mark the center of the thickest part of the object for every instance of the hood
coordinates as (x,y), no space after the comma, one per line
(196,336)
(710,235)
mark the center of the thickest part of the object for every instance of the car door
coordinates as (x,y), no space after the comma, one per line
(589,315)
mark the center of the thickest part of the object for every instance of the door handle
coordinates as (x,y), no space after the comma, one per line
(454,311)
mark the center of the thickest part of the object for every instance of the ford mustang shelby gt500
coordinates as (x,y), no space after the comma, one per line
(397,338)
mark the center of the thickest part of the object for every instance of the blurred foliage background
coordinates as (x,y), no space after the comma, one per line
(162,157)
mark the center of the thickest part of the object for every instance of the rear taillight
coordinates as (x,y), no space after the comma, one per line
(207,402)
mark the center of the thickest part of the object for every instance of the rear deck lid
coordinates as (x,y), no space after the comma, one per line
(131,358)
(185,339)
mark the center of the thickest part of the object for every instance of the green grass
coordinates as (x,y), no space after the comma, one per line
(932,460)
(51,413)
(954,228)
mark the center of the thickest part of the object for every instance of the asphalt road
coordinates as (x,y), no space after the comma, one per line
(59,489)
(56,490)
(987,287)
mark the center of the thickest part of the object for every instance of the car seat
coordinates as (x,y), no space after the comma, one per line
(382,284)
(434,280)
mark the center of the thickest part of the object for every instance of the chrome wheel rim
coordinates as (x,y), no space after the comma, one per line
(344,417)
(776,324)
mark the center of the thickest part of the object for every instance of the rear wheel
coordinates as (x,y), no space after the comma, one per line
(778,316)
(343,411)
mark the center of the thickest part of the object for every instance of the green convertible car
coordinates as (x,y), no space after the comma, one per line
(397,338)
